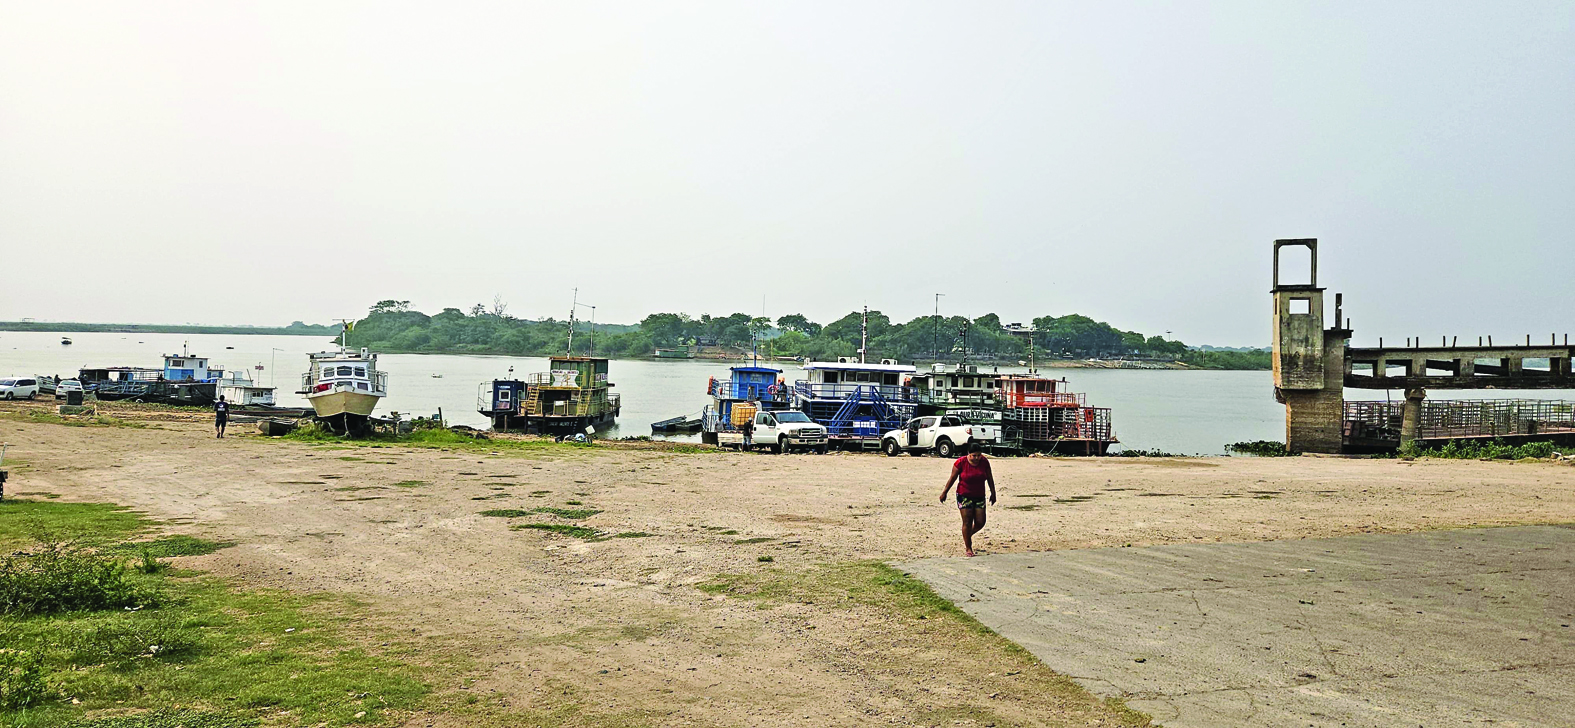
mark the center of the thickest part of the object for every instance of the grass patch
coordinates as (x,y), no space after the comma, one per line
(1260,448)
(443,439)
(78,625)
(765,559)
(633,534)
(1137,453)
(573,514)
(505,513)
(1495,450)
(25,521)
(581,532)
(49,418)
(411,483)
(757,539)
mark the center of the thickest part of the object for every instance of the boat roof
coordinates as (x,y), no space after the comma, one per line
(858,366)
(755,369)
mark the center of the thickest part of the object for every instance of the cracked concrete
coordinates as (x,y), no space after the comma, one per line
(1440,628)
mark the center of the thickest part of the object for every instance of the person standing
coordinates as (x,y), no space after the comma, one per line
(221,416)
(749,434)
(971,473)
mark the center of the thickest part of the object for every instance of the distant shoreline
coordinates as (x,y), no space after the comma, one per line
(79,328)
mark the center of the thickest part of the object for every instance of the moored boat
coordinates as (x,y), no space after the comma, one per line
(344,387)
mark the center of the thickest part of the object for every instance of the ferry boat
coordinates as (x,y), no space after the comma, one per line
(344,387)
(571,397)
(856,401)
(734,401)
(1045,417)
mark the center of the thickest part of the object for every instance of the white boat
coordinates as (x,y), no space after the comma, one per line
(240,391)
(344,387)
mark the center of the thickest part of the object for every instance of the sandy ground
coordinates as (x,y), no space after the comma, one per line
(617,629)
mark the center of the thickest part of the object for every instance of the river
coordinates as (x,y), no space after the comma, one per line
(1191,412)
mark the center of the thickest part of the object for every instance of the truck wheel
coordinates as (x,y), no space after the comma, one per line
(822,449)
(945,449)
(781,446)
(891,448)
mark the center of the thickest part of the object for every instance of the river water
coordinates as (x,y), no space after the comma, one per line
(1192,412)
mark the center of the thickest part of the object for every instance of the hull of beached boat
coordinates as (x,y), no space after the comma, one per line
(340,401)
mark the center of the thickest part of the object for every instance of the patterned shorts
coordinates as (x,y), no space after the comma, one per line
(964,502)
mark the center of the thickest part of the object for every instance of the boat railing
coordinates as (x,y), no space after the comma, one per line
(953,396)
(843,390)
(750,391)
(1011,398)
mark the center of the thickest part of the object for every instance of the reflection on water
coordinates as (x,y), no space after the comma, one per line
(1175,411)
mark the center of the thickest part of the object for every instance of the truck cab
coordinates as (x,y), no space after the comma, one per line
(945,435)
(782,431)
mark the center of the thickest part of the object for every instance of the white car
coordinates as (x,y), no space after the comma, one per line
(67,385)
(18,388)
(782,431)
(946,435)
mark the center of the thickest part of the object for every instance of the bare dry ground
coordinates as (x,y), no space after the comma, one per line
(680,622)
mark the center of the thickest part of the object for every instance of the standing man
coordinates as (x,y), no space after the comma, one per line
(971,472)
(749,434)
(221,417)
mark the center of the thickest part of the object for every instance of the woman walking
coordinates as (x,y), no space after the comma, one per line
(971,472)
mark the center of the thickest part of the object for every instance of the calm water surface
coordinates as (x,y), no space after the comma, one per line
(1175,411)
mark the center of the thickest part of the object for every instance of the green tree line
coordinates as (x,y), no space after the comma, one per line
(391,326)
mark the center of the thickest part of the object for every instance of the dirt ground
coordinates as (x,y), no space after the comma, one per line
(611,631)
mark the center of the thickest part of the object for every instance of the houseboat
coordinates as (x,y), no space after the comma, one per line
(344,387)
(959,387)
(856,401)
(1045,417)
(682,352)
(569,398)
(735,400)
(240,391)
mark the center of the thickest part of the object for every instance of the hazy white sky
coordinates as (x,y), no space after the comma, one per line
(266,162)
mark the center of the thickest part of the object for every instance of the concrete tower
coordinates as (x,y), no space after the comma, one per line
(1309,360)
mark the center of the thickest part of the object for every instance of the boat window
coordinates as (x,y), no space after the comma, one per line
(360,371)
(503,394)
(328,372)
(829,377)
(891,378)
(968,382)
(345,371)
(362,385)
(864,376)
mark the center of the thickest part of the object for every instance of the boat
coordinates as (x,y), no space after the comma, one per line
(437,376)
(747,390)
(65,341)
(1045,417)
(344,387)
(240,391)
(681,425)
(856,400)
(569,398)
(677,353)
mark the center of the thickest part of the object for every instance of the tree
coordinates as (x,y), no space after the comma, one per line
(499,307)
(391,306)
(797,322)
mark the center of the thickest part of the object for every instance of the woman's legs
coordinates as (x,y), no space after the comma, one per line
(968,528)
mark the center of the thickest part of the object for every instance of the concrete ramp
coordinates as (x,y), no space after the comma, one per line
(1444,628)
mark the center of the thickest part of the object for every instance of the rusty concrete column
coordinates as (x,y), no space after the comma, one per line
(1411,415)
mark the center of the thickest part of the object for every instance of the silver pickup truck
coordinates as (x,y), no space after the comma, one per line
(945,435)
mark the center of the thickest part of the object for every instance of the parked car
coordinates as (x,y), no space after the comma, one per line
(947,435)
(67,385)
(782,431)
(18,388)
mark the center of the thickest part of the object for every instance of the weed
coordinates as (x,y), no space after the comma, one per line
(757,539)
(1495,450)
(633,534)
(21,680)
(64,577)
(581,532)
(147,563)
(765,559)
(410,484)
(505,513)
(573,503)
(1135,453)
(120,638)
(1260,448)
(170,718)
(573,514)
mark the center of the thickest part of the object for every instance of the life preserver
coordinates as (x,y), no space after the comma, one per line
(772,390)
(710,388)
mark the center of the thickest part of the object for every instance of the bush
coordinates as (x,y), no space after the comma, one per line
(21,680)
(1260,448)
(1495,450)
(63,577)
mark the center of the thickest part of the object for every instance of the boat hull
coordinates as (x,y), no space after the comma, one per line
(343,402)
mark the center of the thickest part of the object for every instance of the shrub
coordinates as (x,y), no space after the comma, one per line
(63,577)
(1260,448)
(1495,450)
(21,680)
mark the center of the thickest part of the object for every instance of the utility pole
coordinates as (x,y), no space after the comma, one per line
(572,307)
(864,333)
(935,336)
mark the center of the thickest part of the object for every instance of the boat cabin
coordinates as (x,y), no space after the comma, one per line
(574,389)
(118,374)
(186,368)
(856,400)
(1022,390)
(961,384)
(501,397)
(746,390)
(239,390)
(331,368)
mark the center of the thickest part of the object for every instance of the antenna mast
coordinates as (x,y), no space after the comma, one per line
(864,333)
(572,307)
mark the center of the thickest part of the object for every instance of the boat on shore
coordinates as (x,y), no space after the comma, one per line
(344,387)
(571,397)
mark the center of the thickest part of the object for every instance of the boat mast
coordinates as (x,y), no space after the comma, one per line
(572,307)
(864,333)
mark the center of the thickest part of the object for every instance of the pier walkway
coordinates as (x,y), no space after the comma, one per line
(1442,628)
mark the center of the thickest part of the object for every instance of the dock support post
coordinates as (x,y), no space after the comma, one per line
(1411,416)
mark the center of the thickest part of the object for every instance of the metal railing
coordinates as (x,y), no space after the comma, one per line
(750,391)
(843,390)
(1461,418)
(1010,398)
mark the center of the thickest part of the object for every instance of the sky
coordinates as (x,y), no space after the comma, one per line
(260,163)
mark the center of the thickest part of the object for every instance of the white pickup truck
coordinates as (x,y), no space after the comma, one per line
(946,435)
(782,431)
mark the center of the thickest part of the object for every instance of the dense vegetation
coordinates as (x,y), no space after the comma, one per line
(295,329)
(392,327)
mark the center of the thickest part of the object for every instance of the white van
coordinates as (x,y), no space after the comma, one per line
(18,388)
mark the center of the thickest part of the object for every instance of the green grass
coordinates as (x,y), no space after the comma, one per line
(573,514)
(441,439)
(1260,448)
(757,539)
(411,483)
(1495,450)
(226,657)
(581,532)
(633,534)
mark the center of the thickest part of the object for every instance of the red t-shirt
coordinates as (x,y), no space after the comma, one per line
(970,477)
